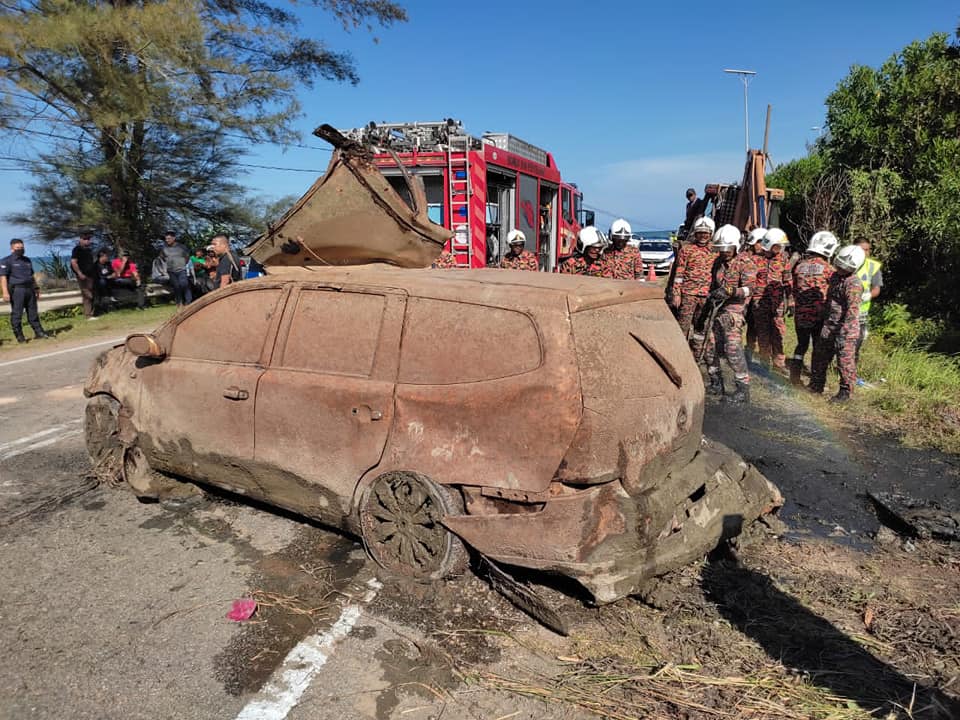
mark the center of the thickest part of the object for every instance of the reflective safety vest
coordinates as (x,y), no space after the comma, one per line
(866,272)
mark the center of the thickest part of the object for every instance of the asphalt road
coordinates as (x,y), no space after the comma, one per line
(113,608)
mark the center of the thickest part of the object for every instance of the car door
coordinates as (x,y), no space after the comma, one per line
(325,405)
(196,415)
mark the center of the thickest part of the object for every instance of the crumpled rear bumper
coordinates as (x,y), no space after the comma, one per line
(611,542)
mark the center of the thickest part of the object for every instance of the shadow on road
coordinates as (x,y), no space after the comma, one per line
(802,640)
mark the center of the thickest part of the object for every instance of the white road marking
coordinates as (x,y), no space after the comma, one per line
(43,433)
(33,442)
(281,695)
(42,356)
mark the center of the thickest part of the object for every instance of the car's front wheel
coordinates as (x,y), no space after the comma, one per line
(102,434)
(400,522)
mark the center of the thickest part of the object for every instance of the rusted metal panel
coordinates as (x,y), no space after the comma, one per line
(351,216)
(566,413)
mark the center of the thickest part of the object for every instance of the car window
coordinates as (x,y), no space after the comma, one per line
(231,329)
(334,332)
(483,343)
(566,205)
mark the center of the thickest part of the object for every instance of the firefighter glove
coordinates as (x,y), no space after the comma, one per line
(718,295)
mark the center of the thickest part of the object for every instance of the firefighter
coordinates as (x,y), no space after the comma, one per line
(734,278)
(771,327)
(691,283)
(446,261)
(754,246)
(841,325)
(622,261)
(518,258)
(588,260)
(811,278)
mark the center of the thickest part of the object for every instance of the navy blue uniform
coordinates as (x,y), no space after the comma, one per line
(18,270)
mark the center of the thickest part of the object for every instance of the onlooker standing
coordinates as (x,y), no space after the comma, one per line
(871,277)
(228,265)
(126,275)
(19,288)
(85,268)
(177,257)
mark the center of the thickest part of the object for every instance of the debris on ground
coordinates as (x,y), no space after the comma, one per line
(242,609)
(919,518)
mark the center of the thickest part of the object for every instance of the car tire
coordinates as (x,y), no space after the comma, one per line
(102,435)
(400,523)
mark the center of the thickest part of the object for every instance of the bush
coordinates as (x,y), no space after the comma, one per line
(900,328)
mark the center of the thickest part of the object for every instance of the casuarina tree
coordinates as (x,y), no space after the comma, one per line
(146,104)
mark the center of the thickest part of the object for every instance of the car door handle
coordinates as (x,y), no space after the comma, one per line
(235,393)
(365,413)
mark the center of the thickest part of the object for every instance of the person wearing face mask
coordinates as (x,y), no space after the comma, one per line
(20,289)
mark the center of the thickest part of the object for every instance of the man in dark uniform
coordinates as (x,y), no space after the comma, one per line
(20,290)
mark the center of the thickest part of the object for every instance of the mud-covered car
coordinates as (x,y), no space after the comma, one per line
(546,421)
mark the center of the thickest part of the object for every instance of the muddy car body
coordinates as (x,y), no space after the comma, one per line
(547,421)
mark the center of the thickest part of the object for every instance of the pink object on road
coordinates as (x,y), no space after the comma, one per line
(242,609)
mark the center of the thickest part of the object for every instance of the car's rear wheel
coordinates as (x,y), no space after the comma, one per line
(102,433)
(400,522)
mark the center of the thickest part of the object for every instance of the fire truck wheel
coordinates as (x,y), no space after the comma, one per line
(400,524)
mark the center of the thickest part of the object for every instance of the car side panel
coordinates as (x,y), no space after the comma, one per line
(509,432)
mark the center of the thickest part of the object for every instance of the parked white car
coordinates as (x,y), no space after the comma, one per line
(658,251)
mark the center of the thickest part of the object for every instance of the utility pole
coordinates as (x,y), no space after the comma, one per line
(745,76)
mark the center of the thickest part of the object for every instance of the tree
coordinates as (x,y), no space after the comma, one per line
(894,146)
(145,102)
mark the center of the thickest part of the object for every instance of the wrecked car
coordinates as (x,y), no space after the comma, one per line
(546,421)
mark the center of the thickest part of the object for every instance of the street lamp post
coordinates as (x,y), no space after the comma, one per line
(745,76)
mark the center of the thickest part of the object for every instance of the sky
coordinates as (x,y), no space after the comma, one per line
(630,97)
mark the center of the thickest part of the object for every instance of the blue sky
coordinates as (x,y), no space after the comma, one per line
(630,97)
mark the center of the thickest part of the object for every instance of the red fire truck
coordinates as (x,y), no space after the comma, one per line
(481,188)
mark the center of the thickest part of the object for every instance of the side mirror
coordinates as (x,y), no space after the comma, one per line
(144,345)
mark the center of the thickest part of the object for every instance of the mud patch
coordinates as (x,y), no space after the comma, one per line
(298,592)
(411,668)
(795,630)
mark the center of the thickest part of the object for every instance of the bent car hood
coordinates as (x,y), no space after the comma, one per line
(352,216)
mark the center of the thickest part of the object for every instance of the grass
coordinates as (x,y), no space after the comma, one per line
(914,393)
(68,324)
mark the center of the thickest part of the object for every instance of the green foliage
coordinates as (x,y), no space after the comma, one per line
(146,102)
(56,267)
(898,326)
(893,150)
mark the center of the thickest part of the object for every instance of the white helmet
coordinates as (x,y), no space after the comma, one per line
(823,243)
(588,237)
(516,236)
(756,235)
(773,237)
(704,224)
(850,258)
(726,238)
(620,228)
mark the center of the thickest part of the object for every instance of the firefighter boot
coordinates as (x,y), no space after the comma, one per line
(741,395)
(715,389)
(843,395)
(796,366)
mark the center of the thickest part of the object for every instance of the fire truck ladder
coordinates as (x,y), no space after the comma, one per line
(460,192)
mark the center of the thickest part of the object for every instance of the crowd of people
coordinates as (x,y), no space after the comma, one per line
(102,274)
(726,282)
(731,292)
(187,273)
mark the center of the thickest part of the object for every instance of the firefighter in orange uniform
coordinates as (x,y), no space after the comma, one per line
(446,261)
(811,280)
(755,248)
(589,257)
(518,258)
(691,283)
(771,327)
(621,261)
